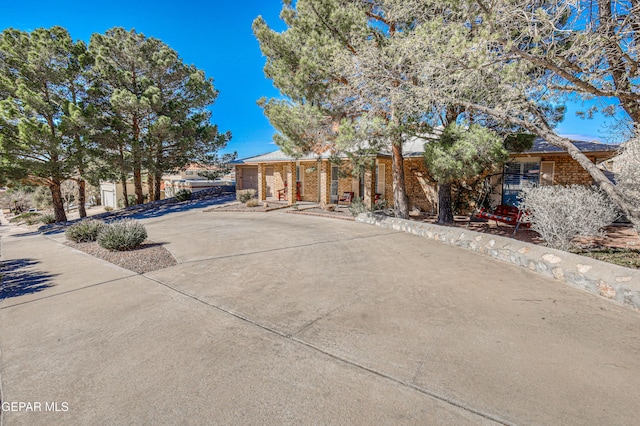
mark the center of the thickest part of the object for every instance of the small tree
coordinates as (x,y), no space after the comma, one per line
(559,214)
(69,190)
(42,198)
(461,152)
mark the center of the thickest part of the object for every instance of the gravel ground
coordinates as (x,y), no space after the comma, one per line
(148,257)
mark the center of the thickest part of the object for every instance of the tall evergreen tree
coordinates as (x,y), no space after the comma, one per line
(339,63)
(152,107)
(37,81)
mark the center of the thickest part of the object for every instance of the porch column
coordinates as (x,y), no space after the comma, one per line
(291,183)
(262,183)
(369,186)
(324,182)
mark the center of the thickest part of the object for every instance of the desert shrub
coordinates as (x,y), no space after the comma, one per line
(48,218)
(108,208)
(380,205)
(84,231)
(245,195)
(628,175)
(132,201)
(42,197)
(253,202)
(122,235)
(559,213)
(183,195)
(357,206)
(29,218)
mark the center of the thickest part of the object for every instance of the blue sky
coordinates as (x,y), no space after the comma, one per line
(213,35)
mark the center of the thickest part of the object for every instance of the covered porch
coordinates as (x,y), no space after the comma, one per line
(279,178)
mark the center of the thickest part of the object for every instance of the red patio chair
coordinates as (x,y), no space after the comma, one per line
(346,198)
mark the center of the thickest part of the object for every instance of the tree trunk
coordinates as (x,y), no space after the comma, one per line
(137,181)
(400,200)
(151,178)
(82,198)
(58,203)
(445,210)
(156,184)
(125,193)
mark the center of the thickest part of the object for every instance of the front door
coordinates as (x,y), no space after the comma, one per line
(334,184)
(268,173)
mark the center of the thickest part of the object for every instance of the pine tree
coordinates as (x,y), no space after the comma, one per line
(36,80)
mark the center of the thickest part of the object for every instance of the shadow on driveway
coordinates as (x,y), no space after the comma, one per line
(149,210)
(19,278)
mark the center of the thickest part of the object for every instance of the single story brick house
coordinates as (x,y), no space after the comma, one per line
(315,178)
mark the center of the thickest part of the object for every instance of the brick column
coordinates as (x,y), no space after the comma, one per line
(325,178)
(369,186)
(291,183)
(262,183)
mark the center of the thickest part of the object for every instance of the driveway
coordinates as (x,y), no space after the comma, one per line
(287,319)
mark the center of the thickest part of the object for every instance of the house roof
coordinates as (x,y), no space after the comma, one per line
(541,146)
(414,147)
(275,156)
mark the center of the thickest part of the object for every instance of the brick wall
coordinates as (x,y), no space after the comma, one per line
(310,172)
(422,193)
(568,171)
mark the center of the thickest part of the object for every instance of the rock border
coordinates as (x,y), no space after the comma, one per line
(612,282)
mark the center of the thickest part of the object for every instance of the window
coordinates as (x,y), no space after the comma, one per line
(546,172)
(516,176)
(189,173)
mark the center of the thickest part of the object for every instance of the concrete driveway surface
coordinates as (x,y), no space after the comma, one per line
(287,319)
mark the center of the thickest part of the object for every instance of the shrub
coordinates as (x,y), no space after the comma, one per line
(48,218)
(183,195)
(559,214)
(245,195)
(357,206)
(122,235)
(132,201)
(84,231)
(29,218)
(253,202)
(108,208)
(628,175)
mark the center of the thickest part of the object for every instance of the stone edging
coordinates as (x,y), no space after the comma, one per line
(610,281)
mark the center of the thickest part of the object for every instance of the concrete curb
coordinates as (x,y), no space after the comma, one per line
(610,281)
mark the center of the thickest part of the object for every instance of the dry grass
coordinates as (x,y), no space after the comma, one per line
(629,258)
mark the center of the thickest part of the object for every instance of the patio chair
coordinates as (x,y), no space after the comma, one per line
(346,198)
(282,193)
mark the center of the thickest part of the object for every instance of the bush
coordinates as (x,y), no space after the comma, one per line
(132,201)
(183,195)
(48,218)
(84,231)
(29,218)
(245,195)
(253,202)
(357,206)
(122,235)
(108,208)
(559,214)
(628,175)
